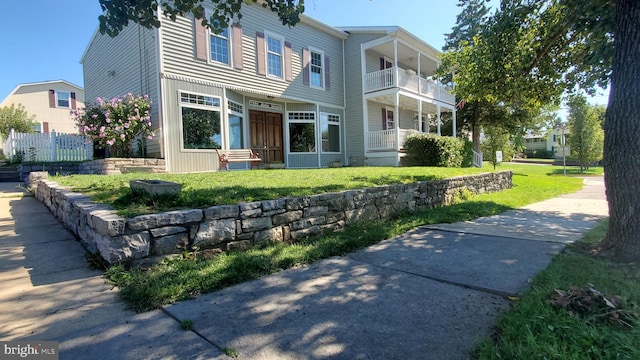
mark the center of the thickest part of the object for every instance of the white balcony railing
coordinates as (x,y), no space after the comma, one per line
(385,79)
(386,139)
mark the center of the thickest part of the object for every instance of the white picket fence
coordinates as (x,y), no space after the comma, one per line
(48,147)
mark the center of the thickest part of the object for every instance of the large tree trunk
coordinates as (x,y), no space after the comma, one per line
(622,137)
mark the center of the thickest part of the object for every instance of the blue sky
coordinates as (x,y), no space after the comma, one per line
(44,39)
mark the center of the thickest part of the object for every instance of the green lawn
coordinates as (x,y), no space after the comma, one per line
(201,190)
(182,278)
(587,328)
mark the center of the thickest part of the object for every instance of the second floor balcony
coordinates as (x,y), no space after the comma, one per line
(397,77)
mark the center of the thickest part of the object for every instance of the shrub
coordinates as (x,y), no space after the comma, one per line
(116,123)
(539,154)
(433,150)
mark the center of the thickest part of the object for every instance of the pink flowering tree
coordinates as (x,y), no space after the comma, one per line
(116,123)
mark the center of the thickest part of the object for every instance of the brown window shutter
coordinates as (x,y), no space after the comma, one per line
(288,72)
(384,119)
(73,101)
(45,127)
(237,46)
(200,40)
(262,66)
(306,58)
(327,83)
(52,98)
(382,63)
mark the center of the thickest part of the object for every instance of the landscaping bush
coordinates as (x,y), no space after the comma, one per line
(539,154)
(433,150)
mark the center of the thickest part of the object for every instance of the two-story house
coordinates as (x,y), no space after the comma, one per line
(304,96)
(51,102)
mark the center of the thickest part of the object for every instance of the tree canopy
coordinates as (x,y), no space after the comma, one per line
(118,13)
(586,137)
(534,52)
(16,118)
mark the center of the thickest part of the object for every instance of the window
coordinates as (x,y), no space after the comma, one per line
(236,134)
(220,47)
(316,69)
(302,132)
(388,125)
(330,125)
(274,56)
(63,99)
(201,126)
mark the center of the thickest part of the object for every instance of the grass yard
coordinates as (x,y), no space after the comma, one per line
(583,326)
(201,190)
(182,278)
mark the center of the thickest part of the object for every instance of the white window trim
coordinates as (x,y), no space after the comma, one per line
(63,92)
(339,124)
(230,47)
(313,121)
(311,51)
(268,35)
(236,113)
(198,106)
(393,111)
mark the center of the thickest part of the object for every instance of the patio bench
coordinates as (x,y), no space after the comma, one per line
(237,155)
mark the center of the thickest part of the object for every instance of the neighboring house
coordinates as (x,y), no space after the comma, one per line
(551,141)
(51,102)
(305,96)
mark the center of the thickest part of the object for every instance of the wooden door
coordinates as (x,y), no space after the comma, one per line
(266,135)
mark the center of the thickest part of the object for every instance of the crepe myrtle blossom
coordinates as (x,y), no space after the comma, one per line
(103,122)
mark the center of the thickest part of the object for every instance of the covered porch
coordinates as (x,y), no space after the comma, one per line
(394,116)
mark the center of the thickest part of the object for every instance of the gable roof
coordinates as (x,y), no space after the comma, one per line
(390,30)
(19,86)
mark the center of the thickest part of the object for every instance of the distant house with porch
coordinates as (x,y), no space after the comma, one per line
(550,142)
(304,96)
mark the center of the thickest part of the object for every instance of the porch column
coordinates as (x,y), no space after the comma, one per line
(419,85)
(395,64)
(420,129)
(454,121)
(438,116)
(396,118)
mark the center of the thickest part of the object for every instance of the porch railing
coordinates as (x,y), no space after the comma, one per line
(386,139)
(409,80)
(48,147)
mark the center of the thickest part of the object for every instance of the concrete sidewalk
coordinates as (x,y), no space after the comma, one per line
(427,294)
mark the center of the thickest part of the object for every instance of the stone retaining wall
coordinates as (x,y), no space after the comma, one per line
(109,166)
(149,238)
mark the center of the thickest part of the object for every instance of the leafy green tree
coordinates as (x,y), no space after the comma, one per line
(535,51)
(586,137)
(16,118)
(462,58)
(497,139)
(118,13)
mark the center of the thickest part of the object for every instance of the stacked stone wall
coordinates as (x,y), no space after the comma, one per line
(149,238)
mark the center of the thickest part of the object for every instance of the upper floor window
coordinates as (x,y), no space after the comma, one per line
(274,55)
(220,47)
(316,69)
(63,99)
